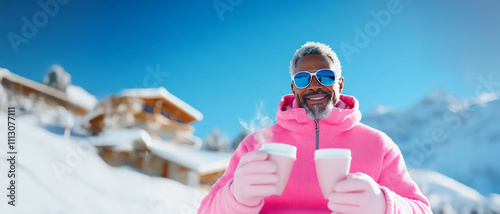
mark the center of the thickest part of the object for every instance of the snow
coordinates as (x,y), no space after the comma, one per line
(443,191)
(121,139)
(66,175)
(201,161)
(162,92)
(494,202)
(93,113)
(3,97)
(4,72)
(79,96)
(458,138)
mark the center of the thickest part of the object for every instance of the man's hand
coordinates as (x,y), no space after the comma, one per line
(357,194)
(255,178)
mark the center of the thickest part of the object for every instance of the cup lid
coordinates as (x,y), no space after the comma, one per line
(280,149)
(332,153)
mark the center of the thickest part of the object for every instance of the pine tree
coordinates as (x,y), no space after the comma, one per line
(216,141)
(57,78)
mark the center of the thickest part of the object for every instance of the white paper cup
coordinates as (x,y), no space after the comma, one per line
(332,166)
(284,156)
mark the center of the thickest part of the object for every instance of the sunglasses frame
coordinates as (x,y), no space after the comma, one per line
(314,75)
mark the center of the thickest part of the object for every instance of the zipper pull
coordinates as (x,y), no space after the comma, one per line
(317,134)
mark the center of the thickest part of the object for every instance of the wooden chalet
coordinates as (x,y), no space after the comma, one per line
(159,140)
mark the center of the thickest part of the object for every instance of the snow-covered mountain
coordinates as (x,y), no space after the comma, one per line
(449,196)
(458,138)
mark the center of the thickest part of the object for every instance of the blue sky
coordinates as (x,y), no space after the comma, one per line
(224,64)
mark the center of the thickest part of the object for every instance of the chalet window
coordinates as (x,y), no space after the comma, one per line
(166,114)
(149,109)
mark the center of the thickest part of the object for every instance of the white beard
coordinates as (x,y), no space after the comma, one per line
(316,113)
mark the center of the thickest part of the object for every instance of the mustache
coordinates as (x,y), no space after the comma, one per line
(314,93)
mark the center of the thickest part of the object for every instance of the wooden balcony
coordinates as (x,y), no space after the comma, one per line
(163,121)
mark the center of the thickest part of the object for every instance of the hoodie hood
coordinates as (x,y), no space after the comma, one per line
(294,118)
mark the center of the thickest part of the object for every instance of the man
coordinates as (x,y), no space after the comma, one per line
(317,115)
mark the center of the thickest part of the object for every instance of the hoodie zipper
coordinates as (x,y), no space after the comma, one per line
(317,134)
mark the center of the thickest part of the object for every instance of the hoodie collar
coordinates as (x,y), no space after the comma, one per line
(294,118)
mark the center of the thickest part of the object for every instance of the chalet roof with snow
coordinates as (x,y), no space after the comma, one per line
(122,139)
(162,93)
(75,96)
(201,161)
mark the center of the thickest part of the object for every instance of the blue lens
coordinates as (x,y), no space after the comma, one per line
(326,77)
(302,79)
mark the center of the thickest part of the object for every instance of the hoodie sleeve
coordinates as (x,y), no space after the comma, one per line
(401,193)
(220,199)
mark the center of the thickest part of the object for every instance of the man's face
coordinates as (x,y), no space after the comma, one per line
(316,95)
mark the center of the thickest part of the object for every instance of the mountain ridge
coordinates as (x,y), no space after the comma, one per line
(455,137)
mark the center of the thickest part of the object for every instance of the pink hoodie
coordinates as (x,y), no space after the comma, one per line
(373,153)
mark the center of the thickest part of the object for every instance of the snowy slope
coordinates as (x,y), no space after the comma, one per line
(58,175)
(458,138)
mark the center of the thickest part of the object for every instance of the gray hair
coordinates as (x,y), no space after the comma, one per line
(315,48)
